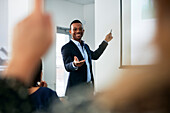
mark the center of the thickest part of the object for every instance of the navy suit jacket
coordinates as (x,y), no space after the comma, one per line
(79,76)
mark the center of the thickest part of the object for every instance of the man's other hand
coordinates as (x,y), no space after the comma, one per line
(78,63)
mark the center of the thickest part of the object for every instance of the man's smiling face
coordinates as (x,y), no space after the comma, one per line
(77,31)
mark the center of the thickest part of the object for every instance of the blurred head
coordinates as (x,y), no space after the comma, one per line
(37,74)
(163,34)
(145,89)
(76,30)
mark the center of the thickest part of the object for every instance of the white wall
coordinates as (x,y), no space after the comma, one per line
(63,14)
(89,25)
(107,17)
(3,23)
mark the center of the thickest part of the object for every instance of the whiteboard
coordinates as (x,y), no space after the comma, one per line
(138,30)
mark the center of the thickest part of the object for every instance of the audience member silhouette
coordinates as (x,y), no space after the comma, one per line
(145,90)
(42,97)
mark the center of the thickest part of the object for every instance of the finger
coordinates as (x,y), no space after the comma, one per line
(82,61)
(76,59)
(38,6)
(109,34)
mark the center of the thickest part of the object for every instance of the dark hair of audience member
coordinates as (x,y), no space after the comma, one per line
(37,74)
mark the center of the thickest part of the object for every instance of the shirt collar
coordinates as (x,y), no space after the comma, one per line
(76,42)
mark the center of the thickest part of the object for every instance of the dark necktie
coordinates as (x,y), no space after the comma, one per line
(82,44)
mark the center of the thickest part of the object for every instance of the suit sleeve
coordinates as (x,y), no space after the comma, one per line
(98,52)
(68,59)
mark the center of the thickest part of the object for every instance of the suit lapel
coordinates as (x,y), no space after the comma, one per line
(88,53)
(76,49)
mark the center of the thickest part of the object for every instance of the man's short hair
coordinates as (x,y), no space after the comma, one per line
(75,21)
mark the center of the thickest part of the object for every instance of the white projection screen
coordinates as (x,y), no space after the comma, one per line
(138,25)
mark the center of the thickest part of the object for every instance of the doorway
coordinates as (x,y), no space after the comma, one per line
(62,37)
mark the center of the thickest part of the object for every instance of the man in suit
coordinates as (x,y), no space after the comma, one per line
(77,58)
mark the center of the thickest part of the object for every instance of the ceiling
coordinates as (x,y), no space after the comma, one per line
(81,2)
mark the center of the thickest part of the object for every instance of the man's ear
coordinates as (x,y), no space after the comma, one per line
(70,31)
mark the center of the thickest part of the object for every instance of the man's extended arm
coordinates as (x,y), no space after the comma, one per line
(98,52)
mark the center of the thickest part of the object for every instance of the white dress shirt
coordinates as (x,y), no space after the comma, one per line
(85,56)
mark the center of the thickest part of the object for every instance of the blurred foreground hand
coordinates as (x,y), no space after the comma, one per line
(31,39)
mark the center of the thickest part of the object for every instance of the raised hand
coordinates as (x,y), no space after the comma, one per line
(31,39)
(33,35)
(108,37)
